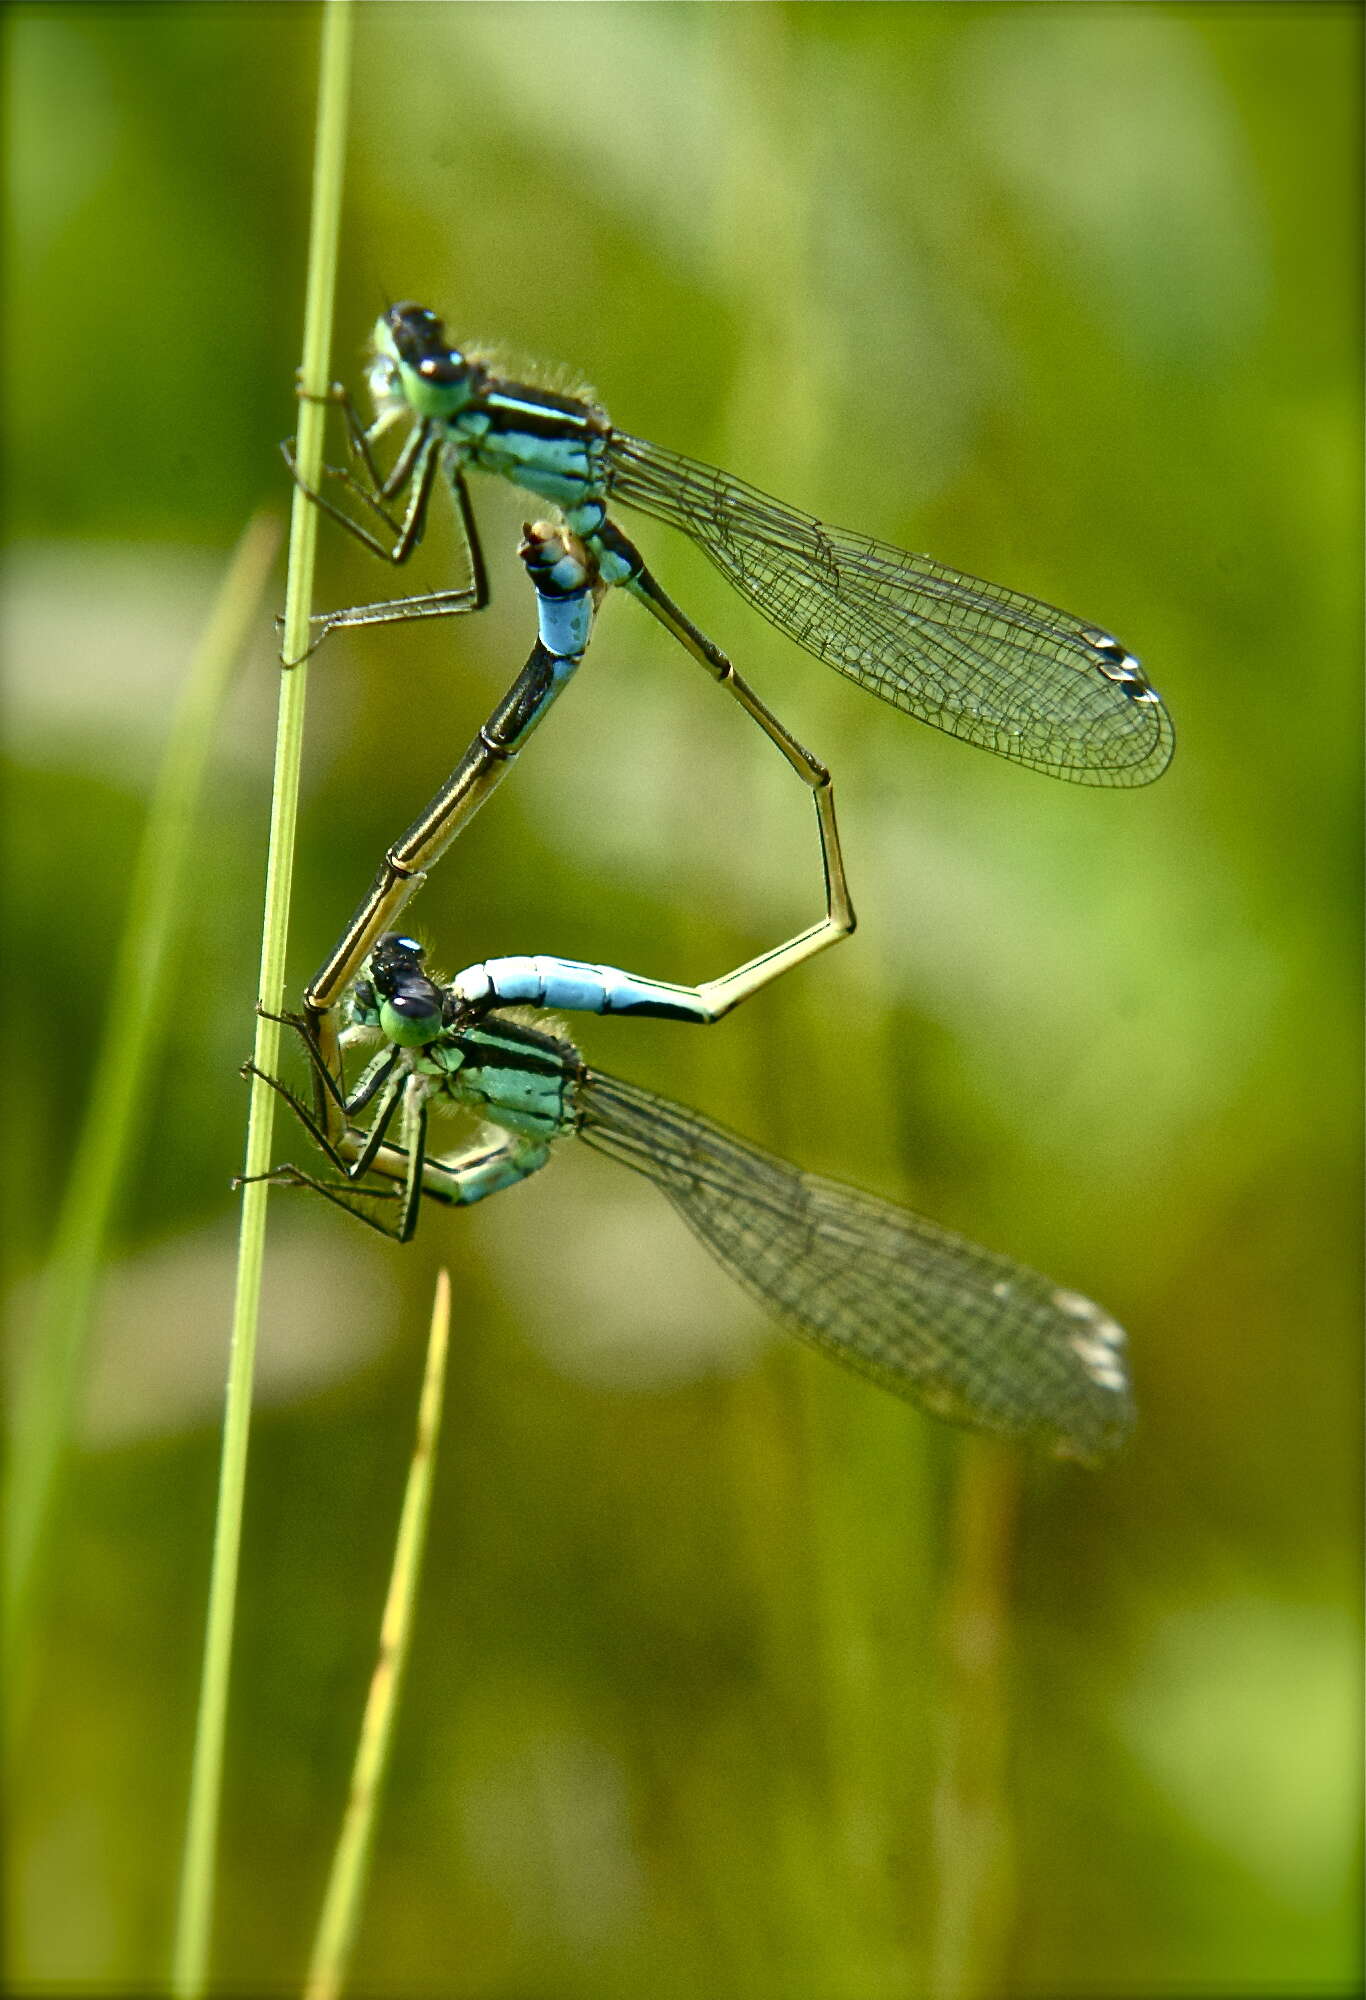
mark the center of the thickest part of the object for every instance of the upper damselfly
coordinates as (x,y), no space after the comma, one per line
(988,665)
(970,1335)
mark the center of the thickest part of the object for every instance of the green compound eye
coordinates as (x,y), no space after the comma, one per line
(410,1021)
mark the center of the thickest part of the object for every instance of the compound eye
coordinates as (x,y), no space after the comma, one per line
(416,1007)
(446,371)
(411,1019)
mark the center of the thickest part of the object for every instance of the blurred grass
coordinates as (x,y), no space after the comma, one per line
(137,1000)
(335,1938)
(1070,296)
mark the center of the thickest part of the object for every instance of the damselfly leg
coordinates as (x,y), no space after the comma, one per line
(382,1184)
(413,474)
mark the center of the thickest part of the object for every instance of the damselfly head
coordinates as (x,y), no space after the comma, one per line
(408,1005)
(414,361)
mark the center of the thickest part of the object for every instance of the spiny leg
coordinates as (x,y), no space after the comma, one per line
(317,1132)
(334,1106)
(399,1089)
(416,467)
(362,437)
(415,1145)
(342,1194)
(419,461)
(472,596)
(322,1046)
(458,1181)
(362,1147)
(406,529)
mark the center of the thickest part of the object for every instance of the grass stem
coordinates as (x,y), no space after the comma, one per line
(195,1915)
(341,1909)
(974,1890)
(44,1413)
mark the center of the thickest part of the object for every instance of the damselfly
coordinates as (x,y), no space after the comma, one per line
(969,1335)
(567,588)
(989,665)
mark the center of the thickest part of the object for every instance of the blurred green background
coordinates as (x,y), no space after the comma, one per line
(1069,297)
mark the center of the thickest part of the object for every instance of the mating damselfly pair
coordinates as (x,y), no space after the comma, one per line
(969,1335)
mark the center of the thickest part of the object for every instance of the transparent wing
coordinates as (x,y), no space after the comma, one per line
(970,1336)
(989,665)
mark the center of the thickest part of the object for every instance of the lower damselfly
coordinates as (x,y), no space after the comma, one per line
(567,588)
(969,1335)
(989,665)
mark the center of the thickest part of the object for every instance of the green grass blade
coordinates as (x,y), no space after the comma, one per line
(974,1886)
(195,1916)
(341,1909)
(45,1402)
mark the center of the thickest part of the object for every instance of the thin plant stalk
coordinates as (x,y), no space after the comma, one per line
(341,1909)
(45,1405)
(974,1888)
(195,1915)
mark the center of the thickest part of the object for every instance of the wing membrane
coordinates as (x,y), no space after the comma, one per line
(969,1335)
(989,665)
